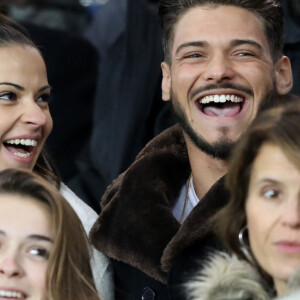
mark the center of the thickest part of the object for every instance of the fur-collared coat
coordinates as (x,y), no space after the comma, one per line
(225,277)
(137,228)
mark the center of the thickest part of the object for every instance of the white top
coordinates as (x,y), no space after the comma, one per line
(292,296)
(102,270)
(191,203)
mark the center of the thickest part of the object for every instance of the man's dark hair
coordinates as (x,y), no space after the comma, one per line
(268,11)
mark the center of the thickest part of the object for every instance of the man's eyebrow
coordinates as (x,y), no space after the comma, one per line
(191,44)
(40,237)
(235,43)
(2,232)
(13,84)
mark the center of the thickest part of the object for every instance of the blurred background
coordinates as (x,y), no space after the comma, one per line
(103,59)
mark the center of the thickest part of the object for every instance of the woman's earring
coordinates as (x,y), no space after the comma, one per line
(241,237)
(243,246)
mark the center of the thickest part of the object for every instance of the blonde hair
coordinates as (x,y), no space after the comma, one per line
(69,274)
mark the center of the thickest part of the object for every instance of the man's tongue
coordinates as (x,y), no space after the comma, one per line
(222,110)
(16,149)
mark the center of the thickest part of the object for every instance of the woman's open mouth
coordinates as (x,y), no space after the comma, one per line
(20,147)
(6,294)
(225,105)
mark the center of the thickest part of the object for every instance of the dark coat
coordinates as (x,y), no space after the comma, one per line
(128,108)
(137,227)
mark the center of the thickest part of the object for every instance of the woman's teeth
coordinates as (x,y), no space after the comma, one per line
(22,154)
(11,294)
(25,142)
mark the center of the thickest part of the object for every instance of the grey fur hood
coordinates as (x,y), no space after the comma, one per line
(225,277)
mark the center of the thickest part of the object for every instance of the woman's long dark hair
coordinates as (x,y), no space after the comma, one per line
(12,33)
(280,126)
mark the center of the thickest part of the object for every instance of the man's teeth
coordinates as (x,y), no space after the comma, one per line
(11,294)
(221,99)
(26,142)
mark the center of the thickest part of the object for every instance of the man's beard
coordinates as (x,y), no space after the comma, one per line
(220,149)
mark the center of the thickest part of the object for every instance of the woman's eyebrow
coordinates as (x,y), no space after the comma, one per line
(13,84)
(268,180)
(45,88)
(22,89)
(40,237)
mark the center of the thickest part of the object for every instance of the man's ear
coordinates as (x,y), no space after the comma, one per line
(283,75)
(166,81)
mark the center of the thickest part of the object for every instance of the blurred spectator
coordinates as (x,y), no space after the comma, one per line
(295,10)
(93,6)
(67,15)
(292,38)
(72,65)
(128,107)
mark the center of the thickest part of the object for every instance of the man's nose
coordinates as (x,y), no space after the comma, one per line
(218,69)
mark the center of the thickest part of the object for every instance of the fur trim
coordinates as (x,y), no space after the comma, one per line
(294,288)
(225,277)
(294,281)
(136,222)
(137,225)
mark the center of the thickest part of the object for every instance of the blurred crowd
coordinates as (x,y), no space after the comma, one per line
(104,71)
(103,60)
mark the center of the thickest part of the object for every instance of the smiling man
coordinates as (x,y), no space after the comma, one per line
(223,58)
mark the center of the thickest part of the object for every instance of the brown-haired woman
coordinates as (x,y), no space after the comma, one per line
(260,226)
(43,253)
(25,124)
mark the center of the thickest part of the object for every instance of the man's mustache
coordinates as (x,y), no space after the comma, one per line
(237,88)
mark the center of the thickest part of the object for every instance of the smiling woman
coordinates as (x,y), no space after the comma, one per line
(25,124)
(43,249)
(24,93)
(25,118)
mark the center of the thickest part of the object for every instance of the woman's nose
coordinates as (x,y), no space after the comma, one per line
(32,113)
(10,266)
(291,213)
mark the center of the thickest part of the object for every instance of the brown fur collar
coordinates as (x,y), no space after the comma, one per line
(137,225)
